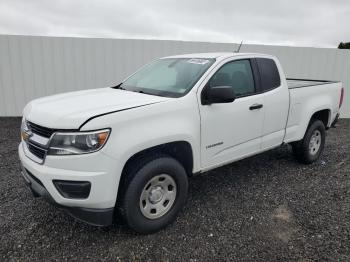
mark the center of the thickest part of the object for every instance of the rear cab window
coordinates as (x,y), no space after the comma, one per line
(269,74)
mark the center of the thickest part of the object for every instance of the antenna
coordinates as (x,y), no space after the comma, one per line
(239,48)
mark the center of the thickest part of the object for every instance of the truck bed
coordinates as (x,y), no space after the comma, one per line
(298,83)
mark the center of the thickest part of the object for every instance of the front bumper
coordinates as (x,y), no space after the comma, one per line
(96,217)
(97,168)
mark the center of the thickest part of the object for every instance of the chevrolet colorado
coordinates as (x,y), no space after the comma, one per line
(129,149)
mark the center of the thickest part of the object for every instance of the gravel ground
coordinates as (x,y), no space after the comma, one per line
(267,207)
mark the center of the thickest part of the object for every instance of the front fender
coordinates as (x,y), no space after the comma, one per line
(141,128)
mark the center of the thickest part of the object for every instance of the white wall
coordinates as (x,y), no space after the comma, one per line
(32,66)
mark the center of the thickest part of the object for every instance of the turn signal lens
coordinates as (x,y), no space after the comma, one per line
(24,130)
(102,137)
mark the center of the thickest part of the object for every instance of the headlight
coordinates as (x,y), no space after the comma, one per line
(77,143)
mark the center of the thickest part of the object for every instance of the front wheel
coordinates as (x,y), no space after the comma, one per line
(155,193)
(309,149)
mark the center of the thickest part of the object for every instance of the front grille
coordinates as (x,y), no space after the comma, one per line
(38,152)
(40,130)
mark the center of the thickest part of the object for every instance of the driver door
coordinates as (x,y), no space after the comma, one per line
(230,131)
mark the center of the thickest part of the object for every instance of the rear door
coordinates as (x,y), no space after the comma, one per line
(230,131)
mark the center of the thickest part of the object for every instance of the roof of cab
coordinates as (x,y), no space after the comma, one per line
(220,56)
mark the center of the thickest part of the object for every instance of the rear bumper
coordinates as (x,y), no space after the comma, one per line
(93,216)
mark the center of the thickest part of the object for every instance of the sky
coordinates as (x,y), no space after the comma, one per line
(318,23)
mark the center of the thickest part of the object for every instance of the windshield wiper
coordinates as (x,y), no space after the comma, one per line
(119,86)
(137,91)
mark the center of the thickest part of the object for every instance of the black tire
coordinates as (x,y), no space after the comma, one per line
(301,148)
(141,172)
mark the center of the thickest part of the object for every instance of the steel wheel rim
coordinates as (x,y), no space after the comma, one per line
(315,142)
(158,196)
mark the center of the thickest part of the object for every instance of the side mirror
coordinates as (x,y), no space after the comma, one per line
(218,94)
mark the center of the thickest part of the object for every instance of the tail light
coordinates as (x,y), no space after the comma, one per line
(341,97)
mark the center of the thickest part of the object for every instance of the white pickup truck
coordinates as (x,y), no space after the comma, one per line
(129,149)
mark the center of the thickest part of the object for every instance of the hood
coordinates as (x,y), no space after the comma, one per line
(70,110)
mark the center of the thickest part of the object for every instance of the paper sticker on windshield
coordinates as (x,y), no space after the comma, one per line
(198,61)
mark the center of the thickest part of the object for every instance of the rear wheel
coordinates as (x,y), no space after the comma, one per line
(155,192)
(309,149)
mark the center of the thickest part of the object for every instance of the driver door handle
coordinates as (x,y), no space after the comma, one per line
(255,106)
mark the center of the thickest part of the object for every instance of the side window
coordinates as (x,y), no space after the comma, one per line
(237,74)
(269,75)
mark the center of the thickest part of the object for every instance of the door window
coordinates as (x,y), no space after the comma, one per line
(237,74)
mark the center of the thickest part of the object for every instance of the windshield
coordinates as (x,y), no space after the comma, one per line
(171,77)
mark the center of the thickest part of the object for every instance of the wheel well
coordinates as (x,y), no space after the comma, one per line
(180,150)
(322,115)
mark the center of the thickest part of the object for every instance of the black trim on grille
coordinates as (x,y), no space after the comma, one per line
(40,130)
(38,152)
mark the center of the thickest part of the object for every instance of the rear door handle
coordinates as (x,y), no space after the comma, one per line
(255,106)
